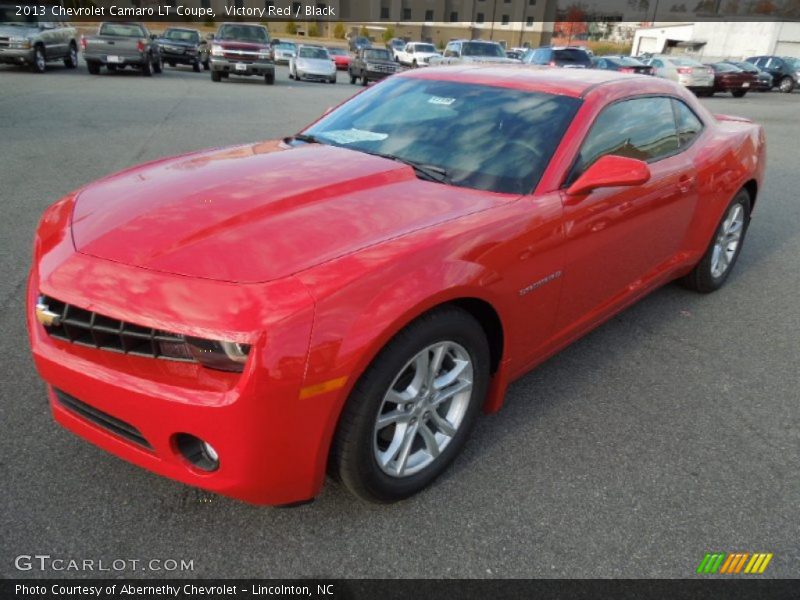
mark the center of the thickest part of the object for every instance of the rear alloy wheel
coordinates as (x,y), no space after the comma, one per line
(39,63)
(147,68)
(216,76)
(713,269)
(739,93)
(786,85)
(93,67)
(158,65)
(411,412)
(71,59)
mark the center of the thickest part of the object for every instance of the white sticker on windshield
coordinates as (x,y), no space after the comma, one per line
(349,136)
(440,100)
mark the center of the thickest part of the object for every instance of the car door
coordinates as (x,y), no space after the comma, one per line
(619,238)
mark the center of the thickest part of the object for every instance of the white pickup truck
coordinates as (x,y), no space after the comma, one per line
(416,54)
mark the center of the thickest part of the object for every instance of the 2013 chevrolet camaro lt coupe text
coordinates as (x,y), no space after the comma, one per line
(349,299)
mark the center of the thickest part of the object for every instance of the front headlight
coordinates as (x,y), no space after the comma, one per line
(19,43)
(225,356)
(266,54)
(216,50)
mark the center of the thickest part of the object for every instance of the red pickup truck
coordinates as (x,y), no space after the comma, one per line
(242,49)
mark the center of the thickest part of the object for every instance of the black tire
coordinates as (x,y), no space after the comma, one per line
(206,65)
(196,67)
(39,64)
(71,59)
(414,64)
(216,76)
(171,64)
(147,68)
(738,93)
(332,79)
(158,65)
(364,80)
(786,85)
(93,67)
(353,459)
(269,78)
(701,279)
(353,79)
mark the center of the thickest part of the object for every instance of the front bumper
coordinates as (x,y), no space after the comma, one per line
(270,435)
(234,67)
(14,56)
(377,75)
(316,75)
(181,58)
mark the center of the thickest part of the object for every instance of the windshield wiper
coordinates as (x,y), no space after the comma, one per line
(429,172)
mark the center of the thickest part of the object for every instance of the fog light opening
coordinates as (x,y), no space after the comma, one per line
(199,453)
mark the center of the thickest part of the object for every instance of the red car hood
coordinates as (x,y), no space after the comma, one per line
(259,212)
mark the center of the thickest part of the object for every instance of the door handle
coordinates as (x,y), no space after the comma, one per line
(685,183)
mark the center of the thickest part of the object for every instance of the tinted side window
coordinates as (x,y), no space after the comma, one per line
(643,128)
(689,126)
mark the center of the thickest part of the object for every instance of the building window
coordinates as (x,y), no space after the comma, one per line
(406,14)
(429,15)
(480,18)
(384,12)
(505,20)
(453,16)
(529,22)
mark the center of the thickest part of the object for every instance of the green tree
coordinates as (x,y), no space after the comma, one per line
(313,30)
(339,31)
(388,33)
(291,27)
(364,32)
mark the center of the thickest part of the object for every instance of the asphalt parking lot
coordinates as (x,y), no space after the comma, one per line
(671,431)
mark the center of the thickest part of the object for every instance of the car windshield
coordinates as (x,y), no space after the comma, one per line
(685,62)
(306,52)
(122,30)
(571,55)
(626,61)
(424,48)
(399,44)
(377,54)
(482,49)
(482,137)
(285,46)
(182,35)
(243,33)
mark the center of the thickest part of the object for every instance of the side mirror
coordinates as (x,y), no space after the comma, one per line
(610,171)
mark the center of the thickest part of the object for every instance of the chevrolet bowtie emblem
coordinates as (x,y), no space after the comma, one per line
(45,316)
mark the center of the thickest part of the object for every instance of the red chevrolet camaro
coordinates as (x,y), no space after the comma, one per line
(348,299)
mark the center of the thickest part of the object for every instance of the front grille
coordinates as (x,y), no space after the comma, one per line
(383,68)
(98,417)
(4,42)
(91,329)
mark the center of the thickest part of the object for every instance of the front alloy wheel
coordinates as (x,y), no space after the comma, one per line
(410,413)
(423,409)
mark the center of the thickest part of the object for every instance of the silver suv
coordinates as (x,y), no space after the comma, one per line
(32,41)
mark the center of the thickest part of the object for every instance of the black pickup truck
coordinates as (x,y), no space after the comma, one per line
(182,46)
(372,64)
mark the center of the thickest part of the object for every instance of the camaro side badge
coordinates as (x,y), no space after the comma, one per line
(540,283)
(45,316)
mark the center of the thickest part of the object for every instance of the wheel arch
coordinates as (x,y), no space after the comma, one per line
(751,187)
